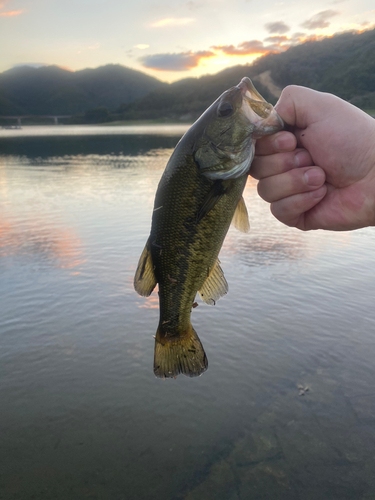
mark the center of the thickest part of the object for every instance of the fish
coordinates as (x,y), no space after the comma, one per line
(198,196)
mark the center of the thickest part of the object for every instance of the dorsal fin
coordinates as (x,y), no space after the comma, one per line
(241,219)
(215,285)
(144,279)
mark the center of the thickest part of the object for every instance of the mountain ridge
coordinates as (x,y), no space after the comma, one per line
(343,64)
(55,91)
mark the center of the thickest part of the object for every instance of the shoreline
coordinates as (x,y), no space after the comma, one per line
(133,128)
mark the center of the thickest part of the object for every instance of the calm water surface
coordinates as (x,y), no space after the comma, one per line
(82,415)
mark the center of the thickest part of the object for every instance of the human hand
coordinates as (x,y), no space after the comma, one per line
(321,176)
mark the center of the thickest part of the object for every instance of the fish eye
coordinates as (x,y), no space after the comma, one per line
(225,109)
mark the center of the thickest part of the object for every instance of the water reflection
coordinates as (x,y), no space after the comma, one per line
(259,250)
(40,239)
(151,302)
(84,416)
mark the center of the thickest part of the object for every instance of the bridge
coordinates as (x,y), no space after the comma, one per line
(19,119)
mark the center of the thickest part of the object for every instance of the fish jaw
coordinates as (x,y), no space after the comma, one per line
(258,111)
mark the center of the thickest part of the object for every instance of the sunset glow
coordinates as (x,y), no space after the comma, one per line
(11,13)
(168,41)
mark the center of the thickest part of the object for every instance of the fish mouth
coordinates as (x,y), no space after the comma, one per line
(248,90)
(258,111)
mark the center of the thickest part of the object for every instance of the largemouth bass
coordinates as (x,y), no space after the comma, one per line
(198,196)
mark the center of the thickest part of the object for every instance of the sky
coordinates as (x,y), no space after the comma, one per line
(167,39)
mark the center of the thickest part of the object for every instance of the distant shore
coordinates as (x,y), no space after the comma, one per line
(115,123)
(107,129)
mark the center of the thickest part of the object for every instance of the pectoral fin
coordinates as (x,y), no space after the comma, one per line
(215,285)
(144,279)
(241,219)
(213,196)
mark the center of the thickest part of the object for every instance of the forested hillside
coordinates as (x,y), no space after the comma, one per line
(51,90)
(343,64)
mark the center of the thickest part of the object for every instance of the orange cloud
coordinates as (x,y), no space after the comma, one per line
(255,47)
(277,39)
(11,13)
(243,49)
(176,62)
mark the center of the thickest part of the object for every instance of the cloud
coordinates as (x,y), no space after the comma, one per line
(175,62)
(320,19)
(298,35)
(279,43)
(277,27)
(243,49)
(277,39)
(12,13)
(9,13)
(172,21)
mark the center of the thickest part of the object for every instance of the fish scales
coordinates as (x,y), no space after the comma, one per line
(185,251)
(197,197)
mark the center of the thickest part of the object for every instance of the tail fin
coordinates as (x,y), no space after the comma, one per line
(179,354)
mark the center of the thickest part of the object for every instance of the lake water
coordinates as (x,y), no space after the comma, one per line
(82,415)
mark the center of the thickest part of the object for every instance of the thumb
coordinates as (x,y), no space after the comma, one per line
(300,106)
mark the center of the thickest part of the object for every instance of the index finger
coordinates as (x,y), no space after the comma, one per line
(276,143)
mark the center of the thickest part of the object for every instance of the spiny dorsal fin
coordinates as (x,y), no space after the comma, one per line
(144,279)
(215,285)
(241,219)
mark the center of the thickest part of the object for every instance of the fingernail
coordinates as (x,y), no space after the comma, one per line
(284,141)
(314,177)
(302,159)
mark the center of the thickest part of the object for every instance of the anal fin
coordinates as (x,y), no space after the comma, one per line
(241,218)
(215,285)
(144,279)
